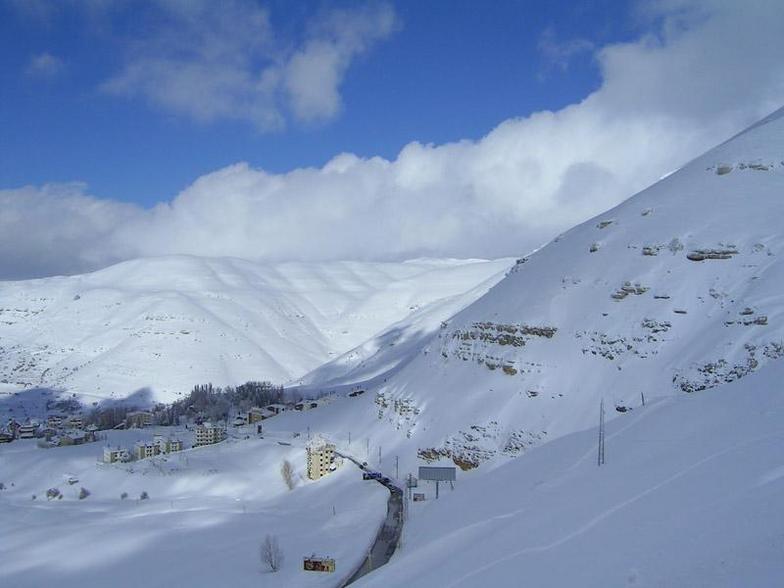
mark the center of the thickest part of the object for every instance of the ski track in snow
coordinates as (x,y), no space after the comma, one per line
(606,514)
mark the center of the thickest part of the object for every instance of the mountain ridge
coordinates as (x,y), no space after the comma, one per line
(167,323)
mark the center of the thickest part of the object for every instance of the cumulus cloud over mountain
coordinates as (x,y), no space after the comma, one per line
(702,72)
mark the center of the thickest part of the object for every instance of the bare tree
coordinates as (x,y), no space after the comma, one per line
(271,554)
(287,471)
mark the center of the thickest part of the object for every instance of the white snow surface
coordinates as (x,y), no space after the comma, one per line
(208,512)
(690,496)
(165,324)
(531,360)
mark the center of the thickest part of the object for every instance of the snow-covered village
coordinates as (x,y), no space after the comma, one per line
(392,293)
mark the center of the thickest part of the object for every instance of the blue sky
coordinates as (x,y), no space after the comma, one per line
(273,130)
(449,71)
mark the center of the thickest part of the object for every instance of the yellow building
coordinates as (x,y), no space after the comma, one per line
(318,564)
(256,414)
(143,449)
(138,419)
(115,454)
(173,445)
(54,420)
(208,434)
(321,460)
(76,422)
(167,445)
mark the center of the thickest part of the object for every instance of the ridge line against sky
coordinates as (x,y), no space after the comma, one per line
(685,76)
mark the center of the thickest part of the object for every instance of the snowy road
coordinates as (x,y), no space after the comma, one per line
(388,534)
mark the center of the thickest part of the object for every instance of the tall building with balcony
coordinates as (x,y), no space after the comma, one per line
(321,459)
(209,434)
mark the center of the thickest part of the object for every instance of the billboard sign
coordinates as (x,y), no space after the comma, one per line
(438,474)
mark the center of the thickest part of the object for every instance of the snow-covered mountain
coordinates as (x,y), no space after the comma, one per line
(676,290)
(676,295)
(171,322)
(690,495)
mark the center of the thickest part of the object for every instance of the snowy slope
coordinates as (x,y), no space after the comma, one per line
(690,496)
(678,289)
(208,512)
(395,345)
(171,322)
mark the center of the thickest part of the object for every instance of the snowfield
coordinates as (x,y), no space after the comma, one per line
(209,509)
(162,325)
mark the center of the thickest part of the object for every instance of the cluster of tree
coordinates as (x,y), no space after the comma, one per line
(210,402)
(214,403)
(68,405)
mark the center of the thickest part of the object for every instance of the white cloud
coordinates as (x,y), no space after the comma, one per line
(58,229)
(44,65)
(314,72)
(560,53)
(704,72)
(212,61)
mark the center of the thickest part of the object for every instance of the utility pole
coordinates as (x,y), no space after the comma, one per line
(397,467)
(642,395)
(600,456)
(379,456)
(349,439)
